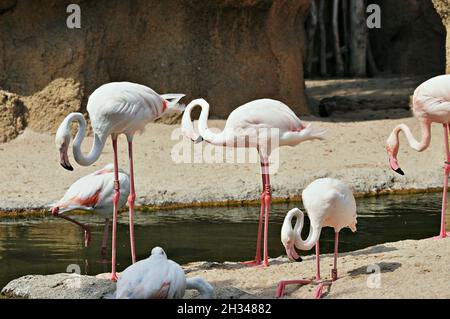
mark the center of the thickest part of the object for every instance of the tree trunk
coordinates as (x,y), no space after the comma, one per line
(373,70)
(311,35)
(337,47)
(323,39)
(358,38)
(346,35)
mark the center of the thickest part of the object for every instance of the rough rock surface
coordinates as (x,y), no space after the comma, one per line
(12,116)
(443,9)
(226,51)
(71,286)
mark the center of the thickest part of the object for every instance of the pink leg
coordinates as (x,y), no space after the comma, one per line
(282,284)
(87,230)
(267,200)
(131,199)
(105,237)
(336,244)
(257,260)
(442,232)
(115,204)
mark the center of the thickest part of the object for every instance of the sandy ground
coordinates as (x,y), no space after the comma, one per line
(404,269)
(353,152)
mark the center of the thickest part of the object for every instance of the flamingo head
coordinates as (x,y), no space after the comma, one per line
(171,105)
(158,251)
(288,237)
(62,141)
(392,151)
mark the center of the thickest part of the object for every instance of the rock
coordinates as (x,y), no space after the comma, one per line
(443,9)
(59,286)
(71,286)
(226,51)
(12,116)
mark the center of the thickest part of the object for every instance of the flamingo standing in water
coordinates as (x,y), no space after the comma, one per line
(329,203)
(93,192)
(158,278)
(254,124)
(431,104)
(115,108)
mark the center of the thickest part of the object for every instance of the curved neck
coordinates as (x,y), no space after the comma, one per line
(287,223)
(198,283)
(97,146)
(413,143)
(311,240)
(203,129)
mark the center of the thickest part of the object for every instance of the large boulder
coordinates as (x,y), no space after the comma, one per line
(226,51)
(443,9)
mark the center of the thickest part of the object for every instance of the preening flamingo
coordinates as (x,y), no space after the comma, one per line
(93,192)
(158,278)
(253,123)
(329,203)
(431,104)
(115,108)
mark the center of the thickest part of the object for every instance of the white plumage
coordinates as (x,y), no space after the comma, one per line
(158,278)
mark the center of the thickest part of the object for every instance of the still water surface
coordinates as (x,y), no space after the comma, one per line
(49,245)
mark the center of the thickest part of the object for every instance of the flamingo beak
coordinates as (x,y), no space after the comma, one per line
(198,140)
(394,165)
(291,253)
(64,159)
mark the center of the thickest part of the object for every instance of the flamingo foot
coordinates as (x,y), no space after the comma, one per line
(251,263)
(334,275)
(319,290)
(441,236)
(114,277)
(282,285)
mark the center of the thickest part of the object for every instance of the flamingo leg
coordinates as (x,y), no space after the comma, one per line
(87,230)
(105,238)
(263,215)
(115,204)
(131,200)
(336,244)
(443,233)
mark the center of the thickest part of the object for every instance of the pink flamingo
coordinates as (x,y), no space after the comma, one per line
(431,104)
(93,192)
(329,203)
(115,108)
(254,124)
(158,278)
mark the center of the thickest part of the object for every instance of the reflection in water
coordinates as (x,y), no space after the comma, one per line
(49,245)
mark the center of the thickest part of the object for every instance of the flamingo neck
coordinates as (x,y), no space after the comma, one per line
(205,132)
(201,285)
(413,143)
(311,240)
(97,146)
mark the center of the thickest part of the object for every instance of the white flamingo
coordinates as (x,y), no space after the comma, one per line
(329,203)
(158,278)
(93,192)
(261,124)
(431,104)
(115,108)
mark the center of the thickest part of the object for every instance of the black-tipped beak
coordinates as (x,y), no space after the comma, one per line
(399,171)
(67,167)
(198,140)
(299,259)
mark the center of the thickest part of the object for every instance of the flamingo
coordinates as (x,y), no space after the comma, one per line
(250,123)
(158,278)
(93,192)
(329,203)
(115,108)
(431,104)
